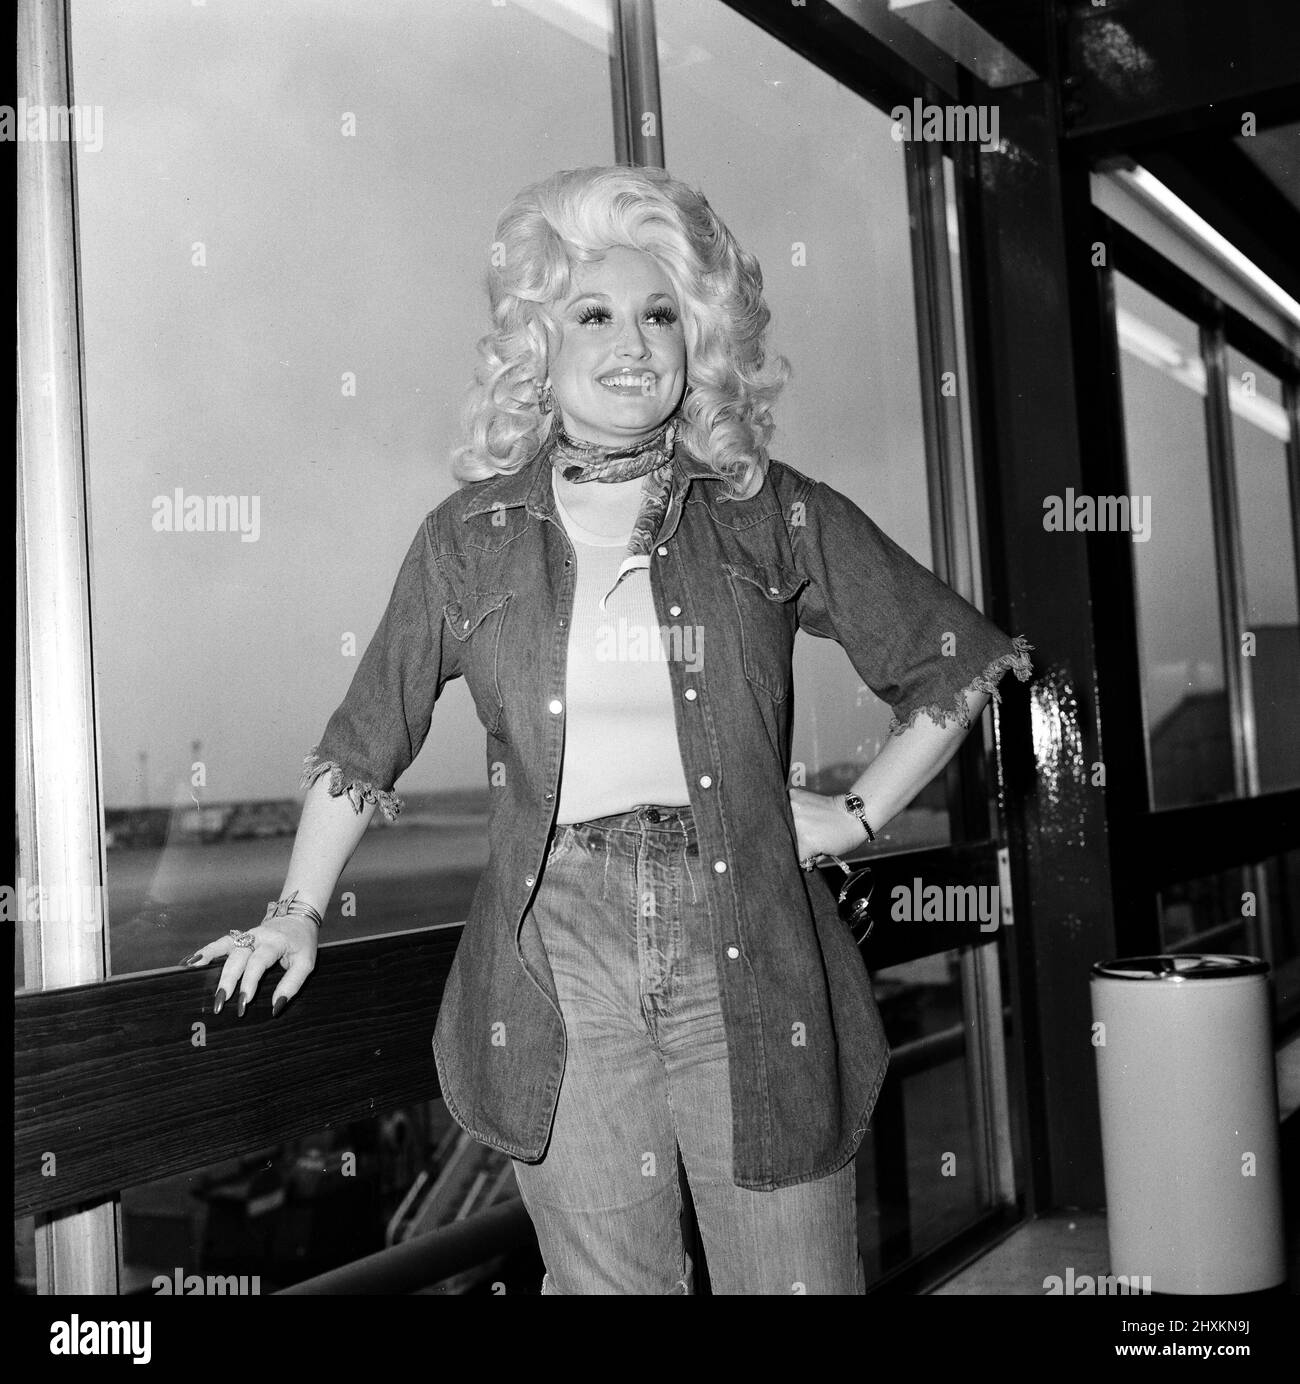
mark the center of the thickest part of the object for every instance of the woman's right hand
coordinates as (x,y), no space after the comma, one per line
(290,940)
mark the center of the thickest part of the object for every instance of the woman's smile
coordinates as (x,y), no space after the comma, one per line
(626,382)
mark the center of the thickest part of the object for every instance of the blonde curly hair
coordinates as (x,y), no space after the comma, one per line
(572,217)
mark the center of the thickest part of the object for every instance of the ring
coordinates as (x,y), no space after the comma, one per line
(242,939)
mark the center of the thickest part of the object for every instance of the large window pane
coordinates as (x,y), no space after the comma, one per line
(809,179)
(283,241)
(1210,914)
(25,1254)
(1266,513)
(1179,614)
(807,175)
(286,1213)
(1280,895)
(919,1176)
(1247,909)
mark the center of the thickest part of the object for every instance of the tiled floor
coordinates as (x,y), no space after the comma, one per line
(1045,1246)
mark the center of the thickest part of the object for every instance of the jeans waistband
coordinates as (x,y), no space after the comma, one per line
(647,817)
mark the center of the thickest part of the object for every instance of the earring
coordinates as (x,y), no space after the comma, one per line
(545,397)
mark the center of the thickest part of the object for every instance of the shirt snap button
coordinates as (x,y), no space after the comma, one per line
(775,590)
(733,952)
(720,866)
(529,879)
(663,552)
(706,781)
(555,706)
(674,610)
(690,694)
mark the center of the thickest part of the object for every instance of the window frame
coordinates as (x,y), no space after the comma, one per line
(1160,846)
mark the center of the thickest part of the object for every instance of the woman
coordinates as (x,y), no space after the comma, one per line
(646,968)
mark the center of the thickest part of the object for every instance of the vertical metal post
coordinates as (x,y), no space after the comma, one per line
(1291,402)
(1238,681)
(951,543)
(989,1099)
(1266,919)
(965,781)
(59,808)
(937,332)
(1025,231)
(638,117)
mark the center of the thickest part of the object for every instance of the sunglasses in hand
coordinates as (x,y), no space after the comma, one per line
(854,897)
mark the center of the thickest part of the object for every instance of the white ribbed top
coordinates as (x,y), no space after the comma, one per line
(620,738)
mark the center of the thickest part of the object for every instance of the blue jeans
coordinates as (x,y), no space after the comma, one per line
(627,934)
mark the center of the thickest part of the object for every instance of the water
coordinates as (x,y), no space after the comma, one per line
(166,901)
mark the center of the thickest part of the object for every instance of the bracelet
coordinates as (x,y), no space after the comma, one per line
(280,908)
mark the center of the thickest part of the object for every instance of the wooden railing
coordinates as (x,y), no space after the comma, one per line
(132,1079)
(122,1082)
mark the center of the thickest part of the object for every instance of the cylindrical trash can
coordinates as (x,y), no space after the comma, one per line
(1189,1123)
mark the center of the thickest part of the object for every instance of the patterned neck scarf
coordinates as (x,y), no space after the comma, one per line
(652,457)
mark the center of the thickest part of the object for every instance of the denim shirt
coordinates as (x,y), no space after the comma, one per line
(486,592)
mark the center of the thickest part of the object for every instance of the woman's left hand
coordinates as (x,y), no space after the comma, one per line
(822,826)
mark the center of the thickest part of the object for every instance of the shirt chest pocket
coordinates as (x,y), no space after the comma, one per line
(765,607)
(476,621)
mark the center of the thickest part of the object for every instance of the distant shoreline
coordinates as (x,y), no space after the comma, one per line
(209,820)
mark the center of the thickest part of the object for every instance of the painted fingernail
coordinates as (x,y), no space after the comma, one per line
(218,1002)
(278,1006)
(190,960)
(239,1008)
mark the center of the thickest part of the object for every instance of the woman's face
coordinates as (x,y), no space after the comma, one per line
(621,366)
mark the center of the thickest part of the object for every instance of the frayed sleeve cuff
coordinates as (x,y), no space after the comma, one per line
(1018,662)
(359,792)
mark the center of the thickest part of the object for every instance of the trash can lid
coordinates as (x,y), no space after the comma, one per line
(1189,966)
